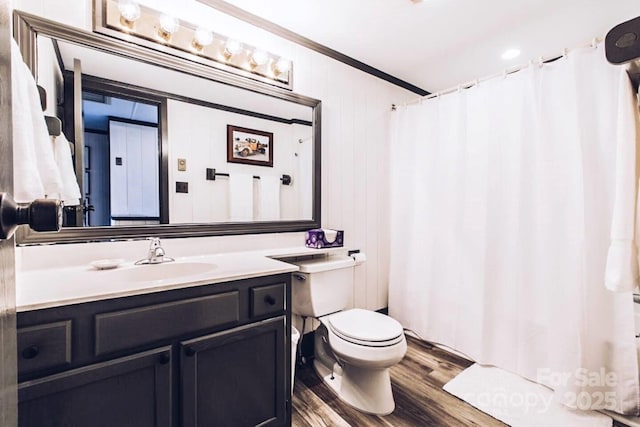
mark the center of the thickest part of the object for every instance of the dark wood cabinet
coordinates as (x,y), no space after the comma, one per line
(210,355)
(245,383)
(128,391)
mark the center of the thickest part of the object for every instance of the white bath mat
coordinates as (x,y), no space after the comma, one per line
(516,401)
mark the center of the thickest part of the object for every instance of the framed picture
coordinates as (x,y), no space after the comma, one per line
(249,146)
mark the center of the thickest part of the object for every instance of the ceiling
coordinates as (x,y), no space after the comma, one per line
(437,44)
(97,114)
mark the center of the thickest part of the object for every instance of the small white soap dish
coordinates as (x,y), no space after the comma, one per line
(106,264)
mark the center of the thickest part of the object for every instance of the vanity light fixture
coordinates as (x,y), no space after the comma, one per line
(202,38)
(129,13)
(281,66)
(140,24)
(168,26)
(231,47)
(259,58)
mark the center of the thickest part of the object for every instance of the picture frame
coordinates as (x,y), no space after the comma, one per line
(249,146)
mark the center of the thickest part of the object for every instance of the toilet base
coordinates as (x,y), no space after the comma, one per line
(367,390)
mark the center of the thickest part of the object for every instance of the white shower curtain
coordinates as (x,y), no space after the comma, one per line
(502,204)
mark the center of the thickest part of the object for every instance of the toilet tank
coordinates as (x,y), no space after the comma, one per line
(322,286)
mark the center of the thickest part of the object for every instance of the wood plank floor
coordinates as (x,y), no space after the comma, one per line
(417,388)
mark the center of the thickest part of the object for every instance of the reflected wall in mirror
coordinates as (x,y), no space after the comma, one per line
(151,128)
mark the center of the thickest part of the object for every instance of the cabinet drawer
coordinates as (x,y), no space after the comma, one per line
(44,346)
(139,326)
(267,299)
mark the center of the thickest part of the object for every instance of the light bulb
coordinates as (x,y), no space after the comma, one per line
(282,66)
(231,48)
(259,58)
(129,12)
(202,38)
(168,26)
(510,54)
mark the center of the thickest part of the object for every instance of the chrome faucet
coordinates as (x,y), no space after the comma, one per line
(156,254)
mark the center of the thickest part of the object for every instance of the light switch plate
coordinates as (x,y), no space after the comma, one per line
(182,165)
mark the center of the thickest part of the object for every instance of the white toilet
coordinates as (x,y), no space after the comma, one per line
(355,348)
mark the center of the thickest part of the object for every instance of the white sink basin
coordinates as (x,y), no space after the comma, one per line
(155,272)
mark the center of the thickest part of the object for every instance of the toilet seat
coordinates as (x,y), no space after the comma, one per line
(365,328)
(364,345)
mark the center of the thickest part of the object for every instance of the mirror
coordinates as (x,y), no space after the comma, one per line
(168,145)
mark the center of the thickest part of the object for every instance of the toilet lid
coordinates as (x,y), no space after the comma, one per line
(364,325)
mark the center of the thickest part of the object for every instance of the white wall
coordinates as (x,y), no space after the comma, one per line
(355,109)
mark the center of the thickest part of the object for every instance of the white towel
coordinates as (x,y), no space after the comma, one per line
(240,197)
(34,168)
(621,273)
(70,194)
(269,198)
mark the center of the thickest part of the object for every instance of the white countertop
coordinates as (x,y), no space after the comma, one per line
(54,287)
(47,288)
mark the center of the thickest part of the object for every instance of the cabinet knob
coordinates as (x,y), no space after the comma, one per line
(189,351)
(164,358)
(270,300)
(30,352)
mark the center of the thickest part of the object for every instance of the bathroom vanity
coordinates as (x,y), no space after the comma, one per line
(181,354)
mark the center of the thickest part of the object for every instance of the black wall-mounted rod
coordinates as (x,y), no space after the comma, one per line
(211,176)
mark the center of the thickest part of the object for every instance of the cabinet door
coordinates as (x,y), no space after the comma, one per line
(130,391)
(235,378)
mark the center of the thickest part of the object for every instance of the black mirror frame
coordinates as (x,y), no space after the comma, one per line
(27,27)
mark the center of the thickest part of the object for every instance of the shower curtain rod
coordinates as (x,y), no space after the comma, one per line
(509,70)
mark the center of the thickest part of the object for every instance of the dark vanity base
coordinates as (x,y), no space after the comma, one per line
(201,356)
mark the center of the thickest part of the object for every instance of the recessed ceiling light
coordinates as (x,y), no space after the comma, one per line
(510,54)
(416,1)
